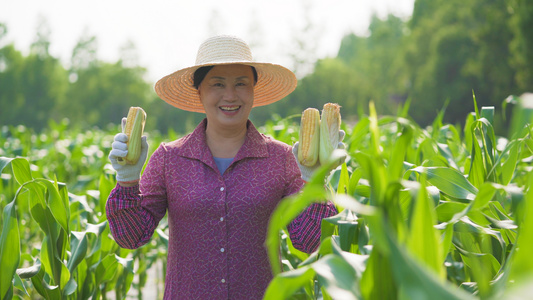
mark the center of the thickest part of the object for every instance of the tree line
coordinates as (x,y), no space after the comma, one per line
(446,52)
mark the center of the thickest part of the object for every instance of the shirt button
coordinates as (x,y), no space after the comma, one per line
(222,189)
(221,219)
(223,280)
(221,249)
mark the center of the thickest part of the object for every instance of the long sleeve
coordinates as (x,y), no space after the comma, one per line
(304,230)
(134,212)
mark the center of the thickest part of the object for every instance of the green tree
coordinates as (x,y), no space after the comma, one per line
(366,68)
(31,86)
(103,92)
(11,64)
(99,92)
(332,81)
(456,47)
(521,23)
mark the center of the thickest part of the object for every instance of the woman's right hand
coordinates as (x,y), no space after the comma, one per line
(127,174)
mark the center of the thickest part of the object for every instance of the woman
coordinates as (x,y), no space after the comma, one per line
(218,184)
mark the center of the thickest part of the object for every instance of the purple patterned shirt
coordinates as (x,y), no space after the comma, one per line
(217,222)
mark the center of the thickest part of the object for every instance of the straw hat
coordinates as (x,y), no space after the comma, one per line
(273,81)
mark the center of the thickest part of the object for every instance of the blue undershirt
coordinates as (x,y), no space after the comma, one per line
(223,163)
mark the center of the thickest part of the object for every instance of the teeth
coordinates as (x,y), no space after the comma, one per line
(230,108)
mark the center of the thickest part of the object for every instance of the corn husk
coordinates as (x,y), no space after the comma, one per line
(330,123)
(134,130)
(309,137)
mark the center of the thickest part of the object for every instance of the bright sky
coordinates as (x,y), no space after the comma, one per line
(167,33)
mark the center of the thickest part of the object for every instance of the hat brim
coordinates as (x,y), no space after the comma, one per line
(274,82)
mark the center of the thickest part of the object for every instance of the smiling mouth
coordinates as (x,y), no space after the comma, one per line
(230,108)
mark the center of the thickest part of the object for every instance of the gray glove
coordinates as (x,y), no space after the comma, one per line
(307,172)
(119,148)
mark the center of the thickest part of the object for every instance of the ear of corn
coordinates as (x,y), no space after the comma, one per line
(329,130)
(134,130)
(309,137)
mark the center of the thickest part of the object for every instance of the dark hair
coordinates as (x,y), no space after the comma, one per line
(201,72)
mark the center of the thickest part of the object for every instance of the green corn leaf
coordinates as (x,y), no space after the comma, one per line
(21,170)
(428,150)
(40,212)
(43,288)
(416,281)
(347,224)
(501,224)
(65,276)
(47,259)
(78,248)
(477,171)
(127,272)
(477,239)
(509,165)
(395,167)
(377,281)
(403,111)
(375,171)
(85,279)
(487,112)
(287,283)
(481,200)
(475,105)
(423,240)
(97,230)
(354,180)
(449,181)
(54,243)
(337,277)
(162,236)
(56,204)
(17,282)
(446,211)
(445,152)
(9,248)
(106,269)
(489,141)
(523,290)
(483,267)
(484,196)
(359,133)
(65,199)
(29,272)
(355,206)
(344,180)
(70,287)
(520,261)
(447,237)
(4,161)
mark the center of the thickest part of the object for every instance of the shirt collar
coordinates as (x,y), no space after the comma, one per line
(195,145)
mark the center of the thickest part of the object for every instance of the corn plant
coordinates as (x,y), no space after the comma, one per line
(56,244)
(424,213)
(68,263)
(441,212)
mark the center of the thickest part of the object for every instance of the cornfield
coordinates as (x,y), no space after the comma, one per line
(441,212)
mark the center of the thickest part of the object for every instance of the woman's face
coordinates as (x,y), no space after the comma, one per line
(227,94)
